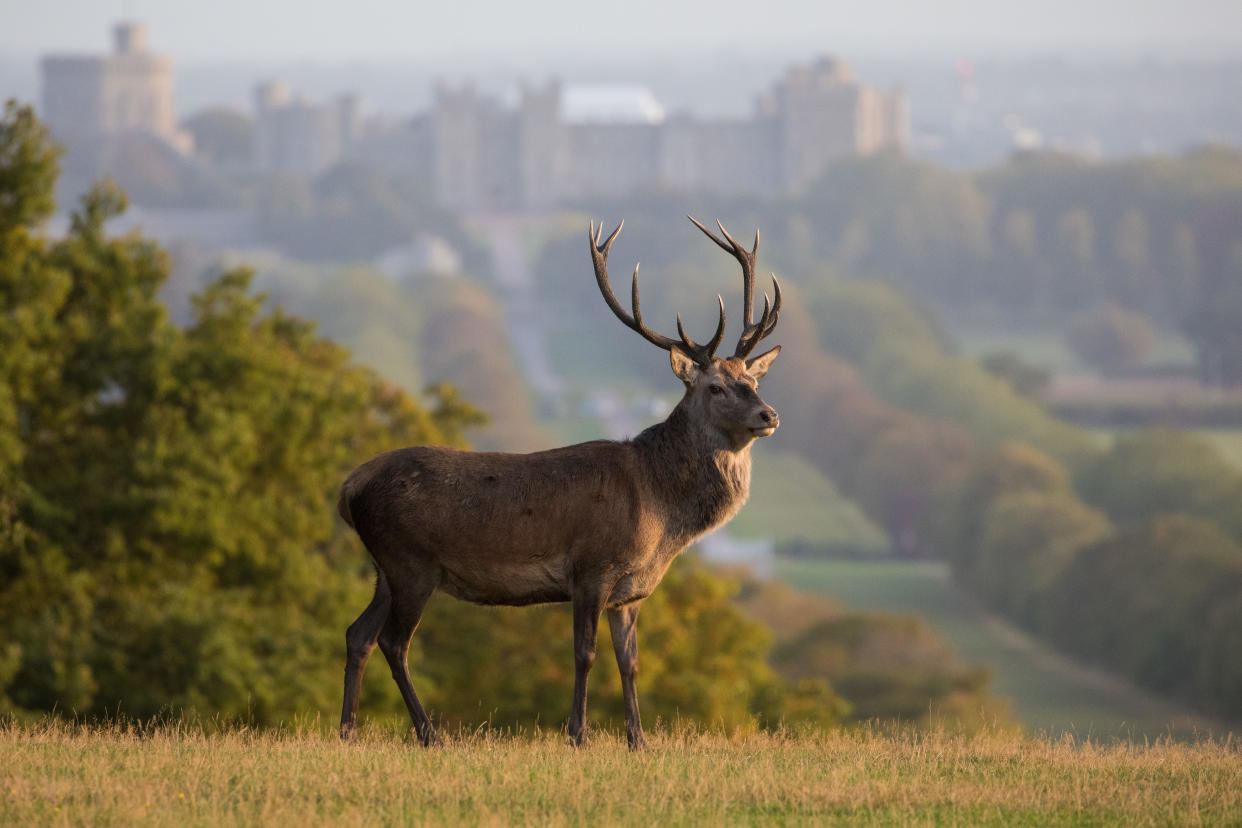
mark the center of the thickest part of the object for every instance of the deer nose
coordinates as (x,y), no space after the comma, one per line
(770,417)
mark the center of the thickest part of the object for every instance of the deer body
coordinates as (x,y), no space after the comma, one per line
(539,519)
(596,524)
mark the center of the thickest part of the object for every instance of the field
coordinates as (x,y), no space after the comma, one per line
(59,774)
(1048,692)
(1047,349)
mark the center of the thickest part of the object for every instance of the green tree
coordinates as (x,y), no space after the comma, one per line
(168,531)
(1152,471)
(1026,540)
(1024,378)
(701,658)
(1144,601)
(1009,469)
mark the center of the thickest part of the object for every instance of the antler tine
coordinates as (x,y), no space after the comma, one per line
(710,347)
(701,354)
(752,332)
(757,332)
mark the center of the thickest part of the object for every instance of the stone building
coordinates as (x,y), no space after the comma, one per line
(574,142)
(86,98)
(294,135)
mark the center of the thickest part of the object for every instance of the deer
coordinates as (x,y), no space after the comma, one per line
(596,524)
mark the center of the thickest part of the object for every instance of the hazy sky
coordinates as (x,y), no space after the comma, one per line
(335,30)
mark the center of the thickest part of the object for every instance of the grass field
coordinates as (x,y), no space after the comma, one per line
(1048,692)
(790,500)
(59,774)
(1047,348)
(1228,442)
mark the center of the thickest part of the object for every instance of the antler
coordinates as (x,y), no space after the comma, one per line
(701,354)
(753,332)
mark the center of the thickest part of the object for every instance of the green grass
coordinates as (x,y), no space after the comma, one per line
(1228,442)
(1048,692)
(790,500)
(59,774)
(1048,350)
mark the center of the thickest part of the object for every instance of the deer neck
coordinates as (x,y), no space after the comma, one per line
(700,478)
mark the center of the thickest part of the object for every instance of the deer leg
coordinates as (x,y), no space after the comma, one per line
(587,609)
(623,624)
(394,642)
(359,644)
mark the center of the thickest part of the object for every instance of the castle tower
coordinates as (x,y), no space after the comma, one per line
(89,97)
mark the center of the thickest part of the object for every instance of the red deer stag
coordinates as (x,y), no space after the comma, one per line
(596,524)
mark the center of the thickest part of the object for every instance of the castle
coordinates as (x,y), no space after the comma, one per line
(565,143)
(557,144)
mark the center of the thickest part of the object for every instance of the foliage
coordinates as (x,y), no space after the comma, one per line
(903,358)
(465,340)
(354,211)
(1026,540)
(1110,338)
(885,666)
(1153,471)
(700,658)
(1155,601)
(171,540)
(1041,236)
(1009,469)
(1024,378)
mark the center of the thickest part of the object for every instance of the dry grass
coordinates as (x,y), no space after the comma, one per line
(54,773)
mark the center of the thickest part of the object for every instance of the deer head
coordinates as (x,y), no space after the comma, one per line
(722,392)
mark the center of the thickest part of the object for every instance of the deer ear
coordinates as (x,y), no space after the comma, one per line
(686,369)
(758,366)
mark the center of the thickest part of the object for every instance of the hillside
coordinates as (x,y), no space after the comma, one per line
(1049,693)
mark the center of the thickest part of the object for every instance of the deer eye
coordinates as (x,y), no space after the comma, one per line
(716,389)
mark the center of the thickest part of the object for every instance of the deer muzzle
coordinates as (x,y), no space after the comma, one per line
(766,422)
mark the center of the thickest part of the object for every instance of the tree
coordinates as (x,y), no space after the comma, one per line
(1009,469)
(1074,253)
(1024,378)
(701,658)
(1152,471)
(1026,540)
(1145,600)
(1110,338)
(168,533)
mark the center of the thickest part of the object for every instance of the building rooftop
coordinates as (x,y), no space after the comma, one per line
(610,103)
